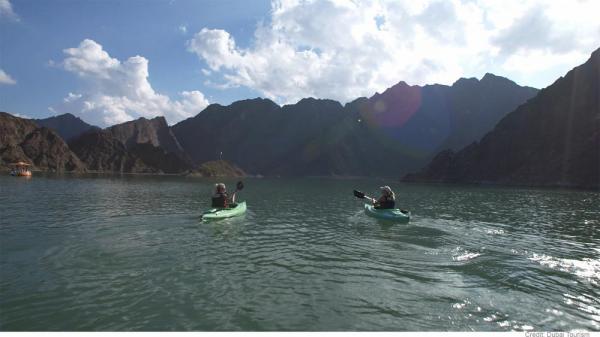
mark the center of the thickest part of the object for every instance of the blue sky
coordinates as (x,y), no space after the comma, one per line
(124,28)
(110,61)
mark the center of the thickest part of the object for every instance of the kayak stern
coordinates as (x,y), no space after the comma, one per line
(224,213)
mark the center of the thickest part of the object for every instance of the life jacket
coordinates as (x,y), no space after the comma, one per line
(220,200)
(385,202)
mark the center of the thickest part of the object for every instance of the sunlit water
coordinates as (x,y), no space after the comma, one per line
(130,253)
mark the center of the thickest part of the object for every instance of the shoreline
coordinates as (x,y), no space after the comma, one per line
(334,177)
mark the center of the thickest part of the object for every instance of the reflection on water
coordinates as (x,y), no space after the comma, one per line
(131,253)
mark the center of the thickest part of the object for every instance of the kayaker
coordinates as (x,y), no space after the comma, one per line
(387,200)
(221,198)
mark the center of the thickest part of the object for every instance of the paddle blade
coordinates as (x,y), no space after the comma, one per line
(359,194)
(239,186)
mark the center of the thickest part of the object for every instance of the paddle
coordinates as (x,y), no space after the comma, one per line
(238,187)
(361,195)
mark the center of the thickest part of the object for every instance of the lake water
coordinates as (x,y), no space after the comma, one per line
(130,253)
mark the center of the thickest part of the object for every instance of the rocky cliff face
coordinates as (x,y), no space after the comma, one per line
(95,150)
(102,152)
(152,131)
(552,140)
(23,140)
(387,134)
(66,125)
(48,151)
(13,130)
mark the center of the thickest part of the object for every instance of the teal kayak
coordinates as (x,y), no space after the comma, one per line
(223,213)
(394,214)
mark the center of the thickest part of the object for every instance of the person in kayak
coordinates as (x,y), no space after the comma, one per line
(221,198)
(387,200)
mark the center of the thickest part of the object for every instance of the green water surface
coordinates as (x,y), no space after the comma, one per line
(131,253)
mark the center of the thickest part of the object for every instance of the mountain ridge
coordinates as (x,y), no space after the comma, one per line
(551,140)
(67,125)
(23,140)
(384,135)
(399,120)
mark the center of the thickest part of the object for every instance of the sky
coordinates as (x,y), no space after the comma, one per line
(112,61)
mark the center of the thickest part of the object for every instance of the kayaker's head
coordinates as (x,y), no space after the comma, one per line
(220,187)
(387,191)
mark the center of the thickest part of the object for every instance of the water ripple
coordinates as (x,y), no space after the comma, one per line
(132,254)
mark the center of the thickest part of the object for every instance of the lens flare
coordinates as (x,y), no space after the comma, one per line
(408,121)
(393,108)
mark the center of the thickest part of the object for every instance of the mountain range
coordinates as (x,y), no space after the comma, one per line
(386,135)
(389,134)
(67,125)
(552,140)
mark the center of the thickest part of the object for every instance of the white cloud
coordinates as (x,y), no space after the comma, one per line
(183,29)
(6,79)
(119,91)
(6,11)
(71,97)
(343,50)
(90,60)
(20,115)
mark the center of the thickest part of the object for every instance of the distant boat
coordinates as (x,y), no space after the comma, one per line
(20,169)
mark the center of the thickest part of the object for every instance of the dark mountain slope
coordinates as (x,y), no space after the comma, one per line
(66,125)
(387,134)
(153,131)
(552,140)
(242,133)
(22,140)
(102,152)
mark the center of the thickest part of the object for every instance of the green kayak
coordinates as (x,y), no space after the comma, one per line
(223,213)
(394,214)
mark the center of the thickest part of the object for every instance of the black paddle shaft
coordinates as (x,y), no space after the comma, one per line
(359,194)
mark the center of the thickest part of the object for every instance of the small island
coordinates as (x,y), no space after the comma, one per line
(217,168)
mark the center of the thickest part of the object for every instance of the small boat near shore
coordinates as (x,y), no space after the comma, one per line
(20,169)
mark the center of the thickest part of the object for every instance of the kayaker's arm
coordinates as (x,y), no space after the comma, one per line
(373,200)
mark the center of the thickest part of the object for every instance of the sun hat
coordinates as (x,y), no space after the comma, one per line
(388,191)
(386,188)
